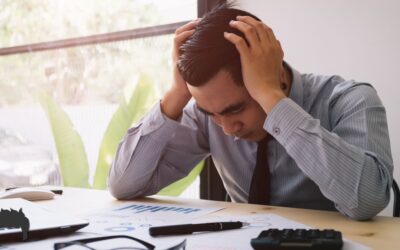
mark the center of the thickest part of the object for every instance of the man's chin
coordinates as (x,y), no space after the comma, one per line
(249,137)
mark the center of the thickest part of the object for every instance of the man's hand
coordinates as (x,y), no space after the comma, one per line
(261,59)
(178,95)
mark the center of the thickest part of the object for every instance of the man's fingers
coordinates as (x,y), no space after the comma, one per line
(264,32)
(239,43)
(250,20)
(249,32)
(189,26)
(183,32)
(270,33)
(179,39)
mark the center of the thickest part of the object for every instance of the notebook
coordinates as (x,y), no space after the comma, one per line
(24,220)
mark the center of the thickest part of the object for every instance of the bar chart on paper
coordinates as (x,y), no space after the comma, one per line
(152,209)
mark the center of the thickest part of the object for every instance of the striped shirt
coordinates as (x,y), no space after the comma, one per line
(330,151)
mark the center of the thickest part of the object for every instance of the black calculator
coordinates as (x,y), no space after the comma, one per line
(298,239)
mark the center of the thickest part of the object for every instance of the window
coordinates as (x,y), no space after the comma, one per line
(87,56)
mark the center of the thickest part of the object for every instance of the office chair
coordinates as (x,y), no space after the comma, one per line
(396,200)
(211,186)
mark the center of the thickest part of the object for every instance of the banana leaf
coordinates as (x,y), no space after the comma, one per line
(71,152)
(126,114)
(177,188)
(123,118)
(72,155)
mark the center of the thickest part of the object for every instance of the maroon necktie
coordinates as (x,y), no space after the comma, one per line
(260,183)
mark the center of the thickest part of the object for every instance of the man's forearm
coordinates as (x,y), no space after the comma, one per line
(173,103)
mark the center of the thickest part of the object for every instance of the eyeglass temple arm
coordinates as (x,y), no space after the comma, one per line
(61,245)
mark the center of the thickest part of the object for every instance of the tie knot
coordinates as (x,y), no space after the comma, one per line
(263,143)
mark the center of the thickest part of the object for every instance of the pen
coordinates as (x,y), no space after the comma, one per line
(191,228)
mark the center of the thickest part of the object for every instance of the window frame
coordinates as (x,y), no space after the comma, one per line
(157,30)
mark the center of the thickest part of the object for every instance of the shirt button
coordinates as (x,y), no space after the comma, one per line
(277,131)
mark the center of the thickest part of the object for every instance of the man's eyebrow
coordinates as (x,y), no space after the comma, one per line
(203,110)
(227,110)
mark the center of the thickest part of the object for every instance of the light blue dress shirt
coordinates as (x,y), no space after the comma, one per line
(331,150)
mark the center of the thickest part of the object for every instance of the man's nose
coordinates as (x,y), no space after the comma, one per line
(229,126)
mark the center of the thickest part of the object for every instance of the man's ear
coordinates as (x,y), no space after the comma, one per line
(283,79)
(283,74)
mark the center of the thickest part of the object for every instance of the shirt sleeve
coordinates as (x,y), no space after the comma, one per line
(156,152)
(351,163)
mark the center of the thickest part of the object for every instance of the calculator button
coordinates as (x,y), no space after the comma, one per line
(273,233)
(286,234)
(299,235)
(330,234)
(313,233)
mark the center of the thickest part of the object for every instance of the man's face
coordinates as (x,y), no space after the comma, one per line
(231,107)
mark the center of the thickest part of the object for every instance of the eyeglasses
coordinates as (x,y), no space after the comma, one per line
(123,242)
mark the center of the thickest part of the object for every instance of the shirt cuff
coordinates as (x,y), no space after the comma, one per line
(284,119)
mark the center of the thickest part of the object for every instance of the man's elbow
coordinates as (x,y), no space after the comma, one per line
(117,189)
(365,211)
(121,193)
(123,189)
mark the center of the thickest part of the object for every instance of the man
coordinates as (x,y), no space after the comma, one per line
(326,138)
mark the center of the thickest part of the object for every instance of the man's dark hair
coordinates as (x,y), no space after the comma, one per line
(206,52)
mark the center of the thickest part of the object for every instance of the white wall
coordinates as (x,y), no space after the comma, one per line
(357,39)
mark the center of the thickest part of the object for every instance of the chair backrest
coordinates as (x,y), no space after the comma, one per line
(211,186)
(396,200)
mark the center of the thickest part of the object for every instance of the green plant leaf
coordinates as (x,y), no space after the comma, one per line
(177,188)
(71,152)
(126,114)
